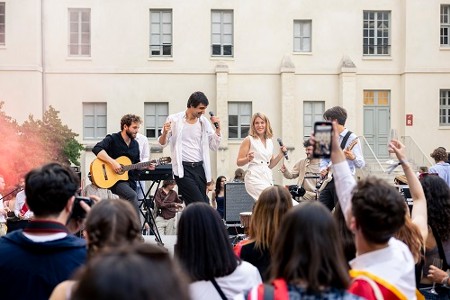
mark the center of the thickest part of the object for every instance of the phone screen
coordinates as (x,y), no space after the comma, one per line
(323,136)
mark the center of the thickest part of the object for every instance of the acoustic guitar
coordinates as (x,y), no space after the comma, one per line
(105,177)
(327,178)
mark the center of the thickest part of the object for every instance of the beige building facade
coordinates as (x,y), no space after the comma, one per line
(387,62)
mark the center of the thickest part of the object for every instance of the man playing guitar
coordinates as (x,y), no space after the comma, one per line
(353,154)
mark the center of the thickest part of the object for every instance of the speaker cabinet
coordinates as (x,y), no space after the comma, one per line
(237,200)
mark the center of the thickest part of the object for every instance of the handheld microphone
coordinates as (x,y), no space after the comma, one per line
(215,123)
(281,145)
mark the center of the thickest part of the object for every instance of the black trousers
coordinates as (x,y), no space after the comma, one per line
(125,191)
(192,187)
(328,195)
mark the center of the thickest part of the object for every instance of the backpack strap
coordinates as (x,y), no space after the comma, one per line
(218,289)
(373,285)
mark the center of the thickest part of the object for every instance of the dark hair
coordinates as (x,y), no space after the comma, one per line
(49,188)
(239,174)
(218,182)
(307,248)
(378,208)
(336,113)
(196,99)
(203,247)
(168,182)
(272,205)
(129,119)
(110,223)
(439,154)
(306,143)
(437,193)
(140,272)
(346,236)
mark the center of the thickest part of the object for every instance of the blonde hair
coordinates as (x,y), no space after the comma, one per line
(272,205)
(268,133)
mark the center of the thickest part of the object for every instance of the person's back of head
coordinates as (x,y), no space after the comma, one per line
(272,205)
(439,154)
(307,249)
(437,193)
(111,223)
(378,209)
(138,272)
(49,188)
(336,113)
(203,247)
(239,174)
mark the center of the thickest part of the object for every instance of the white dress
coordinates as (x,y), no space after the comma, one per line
(259,176)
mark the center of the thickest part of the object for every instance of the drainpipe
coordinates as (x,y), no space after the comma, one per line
(43,76)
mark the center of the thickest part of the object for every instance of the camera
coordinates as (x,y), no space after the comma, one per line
(77,211)
(323,137)
(296,191)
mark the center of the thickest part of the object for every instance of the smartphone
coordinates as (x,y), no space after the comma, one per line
(77,211)
(323,134)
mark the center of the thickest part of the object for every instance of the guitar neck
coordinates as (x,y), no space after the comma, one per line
(139,165)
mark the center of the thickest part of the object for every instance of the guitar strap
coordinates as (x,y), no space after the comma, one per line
(345,139)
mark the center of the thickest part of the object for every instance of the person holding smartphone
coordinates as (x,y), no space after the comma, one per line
(352,150)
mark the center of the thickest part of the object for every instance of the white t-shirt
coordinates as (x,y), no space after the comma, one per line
(243,278)
(192,139)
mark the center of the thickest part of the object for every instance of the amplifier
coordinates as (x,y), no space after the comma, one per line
(162,172)
(237,200)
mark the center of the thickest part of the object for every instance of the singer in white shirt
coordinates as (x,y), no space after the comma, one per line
(191,135)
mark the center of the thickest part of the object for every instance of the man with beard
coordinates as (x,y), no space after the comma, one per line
(191,136)
(119,144)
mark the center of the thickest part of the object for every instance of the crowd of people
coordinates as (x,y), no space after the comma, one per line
(348,239)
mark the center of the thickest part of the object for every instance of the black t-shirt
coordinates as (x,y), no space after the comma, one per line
(260,259)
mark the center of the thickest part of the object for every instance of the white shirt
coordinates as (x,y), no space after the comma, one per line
(20,201)
(243,278)
(395,263)
(2,217)
(210,140)
(144,155)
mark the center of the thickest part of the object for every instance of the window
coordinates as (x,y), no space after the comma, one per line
(376,33)
(302,36)
(239,118)
(94,120)
(155,116)
(444,108)
(312,112)
(445,25)
(377,98)
(222,33)
(160,32)
(2,23)
(80,31)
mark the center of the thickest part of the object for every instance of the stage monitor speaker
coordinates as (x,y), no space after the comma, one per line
(237,200)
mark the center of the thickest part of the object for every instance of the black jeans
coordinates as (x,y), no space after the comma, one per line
(192,187)
(328,196)
(125,191)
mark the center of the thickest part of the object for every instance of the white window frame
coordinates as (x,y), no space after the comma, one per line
(240,128)
(302,35)
(376,33)
(2,23)
(79,32)
(160,32)
(444,107)
(222,33)
(97,112)
(445,25)
(312,112)
(155,114)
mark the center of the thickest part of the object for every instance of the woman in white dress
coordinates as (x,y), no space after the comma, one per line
(256,150)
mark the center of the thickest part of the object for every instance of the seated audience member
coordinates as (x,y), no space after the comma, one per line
(138,272)
(167,204)
(93,190)
(307,261)
(374,212)
(272,205)
(239,175)
(206,254)
(34,260)
(109,224)
(437,193)
(442,168)
(218,195)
